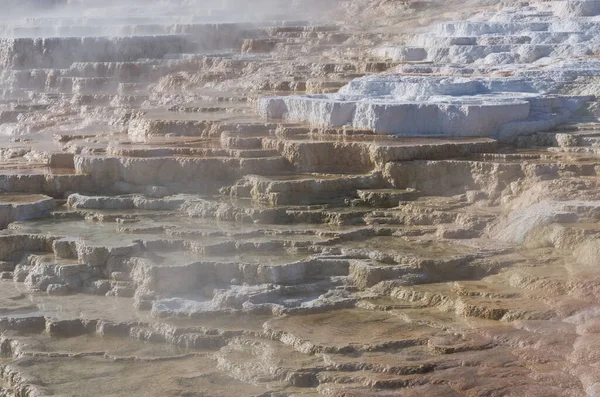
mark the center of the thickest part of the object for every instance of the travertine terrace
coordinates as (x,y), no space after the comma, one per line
(278,198)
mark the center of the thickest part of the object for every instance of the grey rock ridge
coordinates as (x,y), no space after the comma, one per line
(269,198)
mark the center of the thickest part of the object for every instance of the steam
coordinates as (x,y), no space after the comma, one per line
(96,15)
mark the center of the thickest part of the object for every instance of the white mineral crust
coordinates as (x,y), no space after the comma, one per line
(525,70)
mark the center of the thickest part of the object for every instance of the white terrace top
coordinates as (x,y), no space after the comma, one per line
(516,71)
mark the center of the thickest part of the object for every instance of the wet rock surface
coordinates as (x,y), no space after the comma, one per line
(190,208)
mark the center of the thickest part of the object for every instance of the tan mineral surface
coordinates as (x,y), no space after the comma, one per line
(269,198)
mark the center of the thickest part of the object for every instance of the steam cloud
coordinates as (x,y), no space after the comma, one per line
(95,13)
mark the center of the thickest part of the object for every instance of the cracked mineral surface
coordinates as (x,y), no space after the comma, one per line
(274,198)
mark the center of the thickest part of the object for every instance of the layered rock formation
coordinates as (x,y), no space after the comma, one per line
(504,73)
(191,207)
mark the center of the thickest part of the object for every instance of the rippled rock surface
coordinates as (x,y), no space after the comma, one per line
(277,198)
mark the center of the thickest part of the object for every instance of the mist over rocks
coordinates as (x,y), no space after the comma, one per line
(299,198)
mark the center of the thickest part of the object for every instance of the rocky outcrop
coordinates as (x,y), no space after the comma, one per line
(376,236)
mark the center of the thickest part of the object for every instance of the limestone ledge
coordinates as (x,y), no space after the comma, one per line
(23,207)
(400,105)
